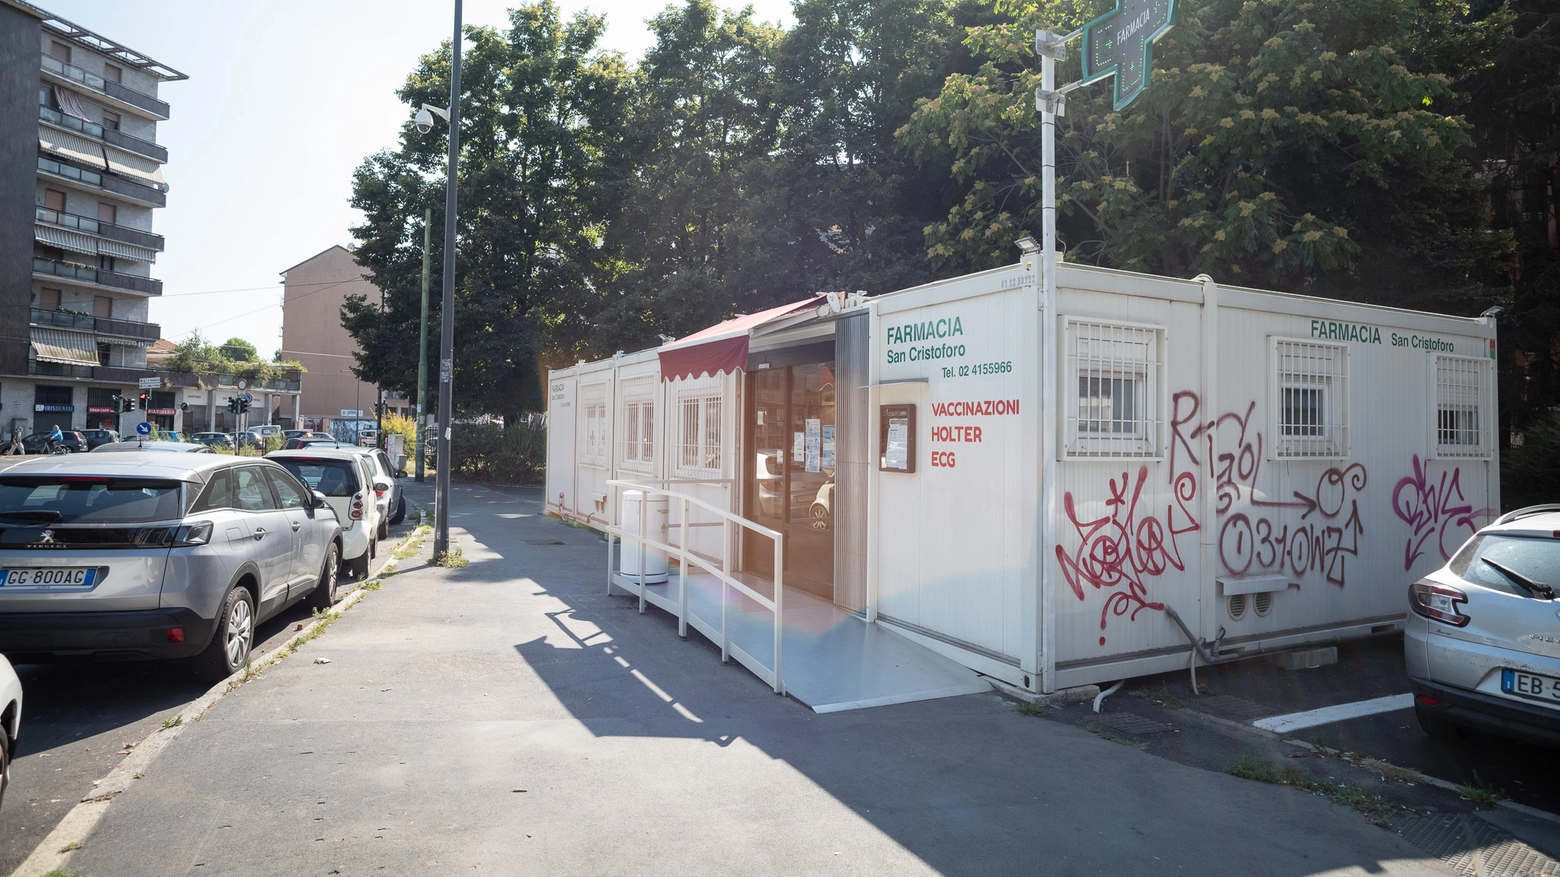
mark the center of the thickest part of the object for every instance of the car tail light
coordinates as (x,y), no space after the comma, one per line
(198,533)
(1427,700)
(1438,602)
(176,634)
(357,506)
(378,492)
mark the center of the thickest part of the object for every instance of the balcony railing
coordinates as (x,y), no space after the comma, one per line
(116,90)
(118,185)
(107,135)
(99,325)
(58,370)
(98,227)
(99,276)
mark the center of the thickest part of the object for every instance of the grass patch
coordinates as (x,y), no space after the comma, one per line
(173,721)
(1038,710)
(452,559)
(1482,794)
(1099,732)
(1159,694)
(1369,804)
(73,845)
(60,872)
(1391,771)
(413,542)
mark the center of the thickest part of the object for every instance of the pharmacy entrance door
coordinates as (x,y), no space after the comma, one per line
(789,478)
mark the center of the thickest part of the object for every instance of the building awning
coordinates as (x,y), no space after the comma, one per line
(126,166)
(121,250)
(69,105)
(70,146)
(55,345)
(74,241)
(723,347)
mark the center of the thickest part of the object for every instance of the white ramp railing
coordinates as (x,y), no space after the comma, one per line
(643,537)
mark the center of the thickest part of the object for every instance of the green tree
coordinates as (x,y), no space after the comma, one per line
(196,355)
(239,350)
(1306,146)
(542,119)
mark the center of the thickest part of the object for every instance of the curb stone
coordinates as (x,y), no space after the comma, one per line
(84,817)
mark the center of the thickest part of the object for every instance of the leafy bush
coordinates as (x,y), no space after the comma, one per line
(514,454)
(1530,472)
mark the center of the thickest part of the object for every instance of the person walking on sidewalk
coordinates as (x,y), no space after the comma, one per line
(16,442)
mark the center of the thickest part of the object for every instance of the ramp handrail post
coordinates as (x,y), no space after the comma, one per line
(779,590)
(611,523)
(642,552)
(725,568)
(682,574)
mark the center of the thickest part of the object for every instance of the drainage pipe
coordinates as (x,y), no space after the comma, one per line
(1100,698)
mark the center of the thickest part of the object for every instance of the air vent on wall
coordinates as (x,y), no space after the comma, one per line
(1262,603)
(1237,606)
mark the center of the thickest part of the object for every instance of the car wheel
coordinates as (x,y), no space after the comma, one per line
(5,763)
(400,511)
(324,594)
(1435,726)
(228,651)
(384,528)
(358,567)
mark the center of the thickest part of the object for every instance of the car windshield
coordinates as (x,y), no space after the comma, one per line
(330,477)
(89,500)
(1532,557)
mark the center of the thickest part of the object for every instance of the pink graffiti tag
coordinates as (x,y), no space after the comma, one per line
(1321,545)
(1436,510)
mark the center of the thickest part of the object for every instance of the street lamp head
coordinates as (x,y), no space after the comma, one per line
(424,121)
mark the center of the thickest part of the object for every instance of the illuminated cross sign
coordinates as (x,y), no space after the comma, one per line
(1122,43)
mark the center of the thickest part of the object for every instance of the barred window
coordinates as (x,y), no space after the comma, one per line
(1462,392)
(593,402)
(1114,375)
(699,411)
(1311,399)
(638,416)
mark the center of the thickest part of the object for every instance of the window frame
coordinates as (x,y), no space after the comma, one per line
(1331,441)
(1482,388)
(1145,374)
(636,414)
(593,405)
(701,403)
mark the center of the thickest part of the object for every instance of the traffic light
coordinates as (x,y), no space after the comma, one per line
(126,403)
(232,405)
(243,405)
(144,406)
(118,401)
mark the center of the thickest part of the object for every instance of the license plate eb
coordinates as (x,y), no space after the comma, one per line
(48,577)
(1530,685)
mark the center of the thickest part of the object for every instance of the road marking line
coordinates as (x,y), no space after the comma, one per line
(1339,713)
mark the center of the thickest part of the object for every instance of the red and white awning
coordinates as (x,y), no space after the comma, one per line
(723,347)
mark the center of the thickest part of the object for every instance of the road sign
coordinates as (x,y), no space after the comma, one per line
(143,428)
(1122,43)
(249,397)
(351,412)
(150,383)
(243,384)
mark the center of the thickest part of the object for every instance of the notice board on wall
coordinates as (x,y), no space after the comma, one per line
(896,438)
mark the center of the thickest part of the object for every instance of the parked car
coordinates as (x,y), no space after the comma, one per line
(265,431)
(346,479)
(96,437)
(302,433)
(176,447)
(1482,643)
(395,505)
(167,556)
(10,721)
(38,443)
(213,439)
(318,440)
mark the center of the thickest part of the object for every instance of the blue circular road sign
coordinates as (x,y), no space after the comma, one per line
(143,428)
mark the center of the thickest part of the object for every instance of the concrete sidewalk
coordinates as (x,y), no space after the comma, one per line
(509,718)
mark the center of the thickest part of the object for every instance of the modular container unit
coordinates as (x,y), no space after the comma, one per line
(1191,473)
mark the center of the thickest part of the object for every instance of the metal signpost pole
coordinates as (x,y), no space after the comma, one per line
(441,490)
(422,353)
(1118,44)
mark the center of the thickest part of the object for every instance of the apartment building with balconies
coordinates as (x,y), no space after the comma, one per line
(78,191)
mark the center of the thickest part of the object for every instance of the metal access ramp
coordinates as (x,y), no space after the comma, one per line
(825,657)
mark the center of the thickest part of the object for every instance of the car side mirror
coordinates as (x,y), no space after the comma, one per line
(320,500)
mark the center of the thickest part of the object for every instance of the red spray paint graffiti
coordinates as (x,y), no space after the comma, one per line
(1437,512)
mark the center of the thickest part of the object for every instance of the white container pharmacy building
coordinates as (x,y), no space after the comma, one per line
(1208,472)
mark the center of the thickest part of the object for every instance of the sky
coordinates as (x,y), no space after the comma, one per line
(284,100)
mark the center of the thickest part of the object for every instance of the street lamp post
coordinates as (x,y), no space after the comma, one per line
(441,491)
(422,353)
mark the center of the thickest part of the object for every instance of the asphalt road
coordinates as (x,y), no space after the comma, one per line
(78,718)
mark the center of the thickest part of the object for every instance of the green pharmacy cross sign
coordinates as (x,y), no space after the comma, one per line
(1121,42)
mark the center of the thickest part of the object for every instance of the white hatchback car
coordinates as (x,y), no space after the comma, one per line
(10,721)
(1483,641)
(348,481)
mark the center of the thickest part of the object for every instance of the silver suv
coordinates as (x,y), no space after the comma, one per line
(157,556)
(1483,642)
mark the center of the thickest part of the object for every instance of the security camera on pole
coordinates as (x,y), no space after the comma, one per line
(1118,44)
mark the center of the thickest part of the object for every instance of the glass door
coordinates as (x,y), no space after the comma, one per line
(790,487)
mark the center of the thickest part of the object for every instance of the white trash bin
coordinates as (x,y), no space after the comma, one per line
(637,558)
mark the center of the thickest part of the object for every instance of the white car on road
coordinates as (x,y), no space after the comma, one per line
(10,721)
(348,481)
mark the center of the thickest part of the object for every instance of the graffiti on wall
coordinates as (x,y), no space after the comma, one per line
(1437,513)
(1311,532)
